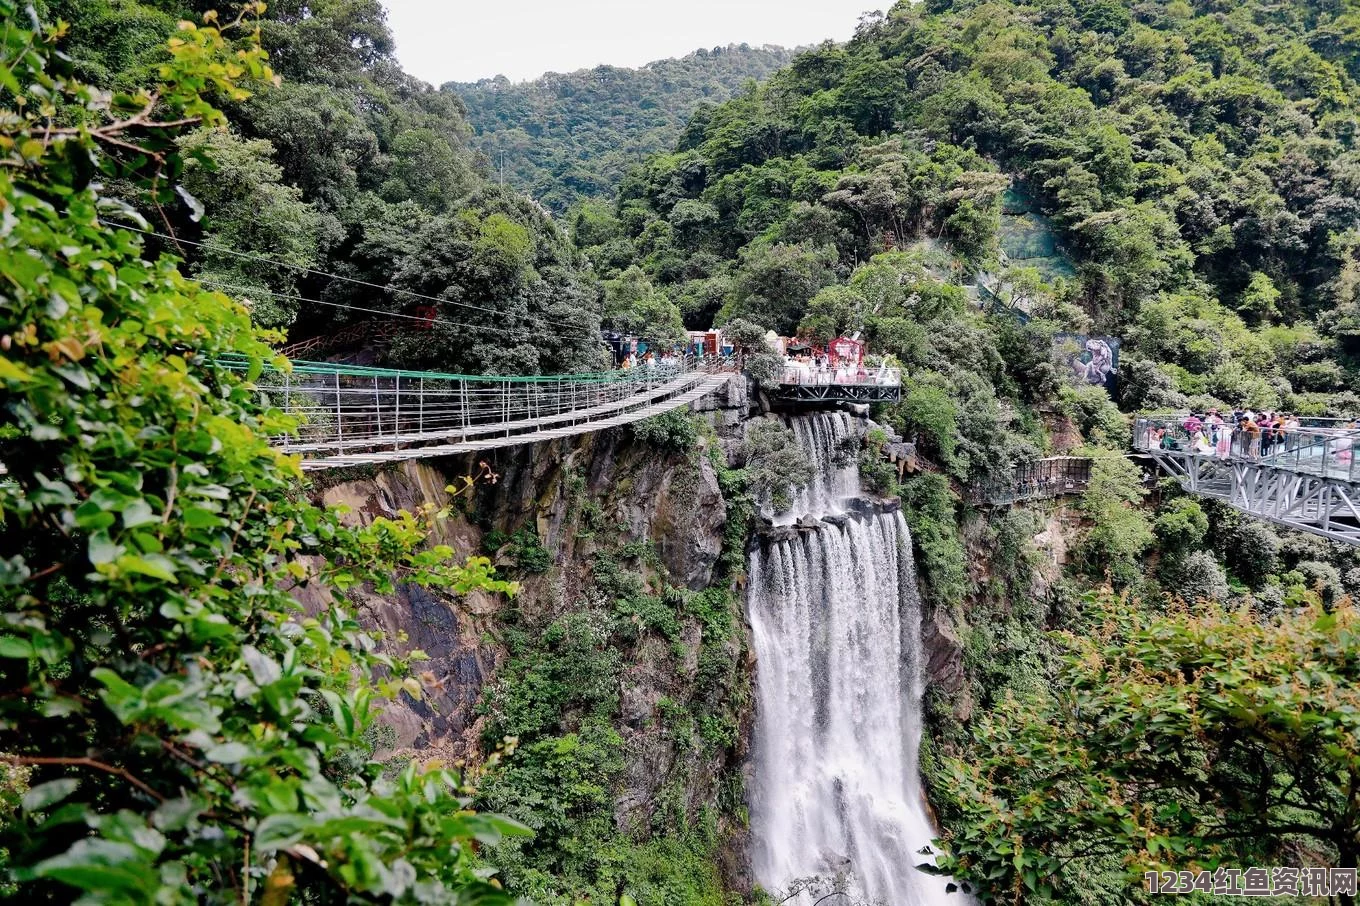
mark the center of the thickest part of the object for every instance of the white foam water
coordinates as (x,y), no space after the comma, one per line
(821,436)
(836,621)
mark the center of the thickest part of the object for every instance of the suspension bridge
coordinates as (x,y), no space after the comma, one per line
(1308,481)
(358,416)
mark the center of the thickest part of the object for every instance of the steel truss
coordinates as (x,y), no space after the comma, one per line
(837,393)
(1310,503)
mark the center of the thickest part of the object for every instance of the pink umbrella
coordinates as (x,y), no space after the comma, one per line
(1193,424)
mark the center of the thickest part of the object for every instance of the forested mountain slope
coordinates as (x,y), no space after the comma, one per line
(349,166)
(567,136)
(1198,162)
(1199,165)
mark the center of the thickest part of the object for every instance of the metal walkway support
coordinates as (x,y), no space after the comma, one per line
(1308,481)
(354,415)
(801,385)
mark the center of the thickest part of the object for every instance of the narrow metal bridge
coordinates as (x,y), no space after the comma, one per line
(355,416)
(1309,480)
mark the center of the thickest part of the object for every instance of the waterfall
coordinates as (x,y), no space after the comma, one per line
(836,618)
(820,435)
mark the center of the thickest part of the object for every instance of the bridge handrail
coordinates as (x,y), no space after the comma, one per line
(1323,450)
(885,377)
(356,407)
(329,369)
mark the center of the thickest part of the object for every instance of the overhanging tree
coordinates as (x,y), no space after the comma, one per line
(184,731)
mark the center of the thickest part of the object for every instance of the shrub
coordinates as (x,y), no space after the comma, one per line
(670,432)
(1181,526)
(1195,576)
(775,464)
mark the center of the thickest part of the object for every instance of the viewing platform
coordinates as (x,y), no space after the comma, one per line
(1306,479)
(808,385)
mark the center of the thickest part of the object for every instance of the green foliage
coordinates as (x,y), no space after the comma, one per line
(876,474)
(1167,742)
(928,505)
(1098,418)
(670,432)
(567,666)
(1181,525)
(930,415)
(571,136)
(775,464)
(1118,532)
(528,552)
(350,167)
(251,211)
(634,307)
(181,710)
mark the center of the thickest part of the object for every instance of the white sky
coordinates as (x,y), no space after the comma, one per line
(463,41)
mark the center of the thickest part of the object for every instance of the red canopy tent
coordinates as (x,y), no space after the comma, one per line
(847,351)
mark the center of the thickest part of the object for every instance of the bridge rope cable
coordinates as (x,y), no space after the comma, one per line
(245,290)
(264,259)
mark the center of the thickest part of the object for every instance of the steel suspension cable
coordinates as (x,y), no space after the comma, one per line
(264,259)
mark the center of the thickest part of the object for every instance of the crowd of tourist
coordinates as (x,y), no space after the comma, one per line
(667,361)
(1241,432)
(819,368)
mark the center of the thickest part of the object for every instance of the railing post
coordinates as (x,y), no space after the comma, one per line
(287,406)
(396,416)
(420,420)
(339,416)
(377,405)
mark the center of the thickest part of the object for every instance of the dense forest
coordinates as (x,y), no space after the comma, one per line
(565,137)
(350,167)
(184,191)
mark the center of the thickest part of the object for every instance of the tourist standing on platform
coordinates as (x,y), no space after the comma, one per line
(1252,433)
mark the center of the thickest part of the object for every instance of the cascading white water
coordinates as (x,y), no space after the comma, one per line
(821,436)
(836,616)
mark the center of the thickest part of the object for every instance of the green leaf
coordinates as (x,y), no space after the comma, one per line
(154,565)
(101,867)
(229,753)
(138,512)
(102,549)
(19,649)
(50,793)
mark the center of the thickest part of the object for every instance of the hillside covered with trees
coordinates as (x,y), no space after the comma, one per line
(564,137)
(350,167)
(1198,165)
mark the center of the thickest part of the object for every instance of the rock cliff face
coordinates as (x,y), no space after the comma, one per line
(633,493)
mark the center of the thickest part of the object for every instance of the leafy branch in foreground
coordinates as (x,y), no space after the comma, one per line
(1186,740)
(185,732)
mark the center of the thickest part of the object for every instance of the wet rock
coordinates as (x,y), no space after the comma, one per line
(943,650)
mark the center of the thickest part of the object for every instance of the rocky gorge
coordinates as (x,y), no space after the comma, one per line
(647,540)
